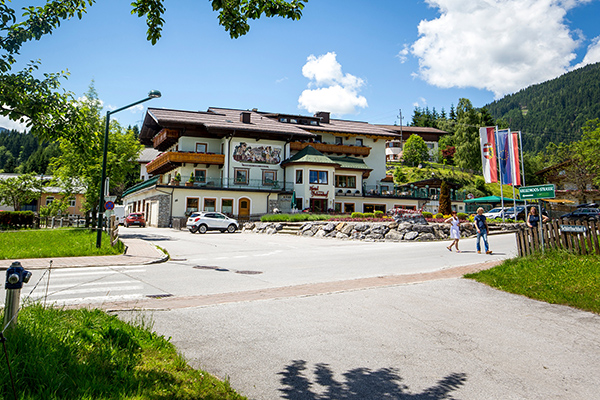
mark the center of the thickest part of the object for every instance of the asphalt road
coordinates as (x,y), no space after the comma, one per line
(450,338)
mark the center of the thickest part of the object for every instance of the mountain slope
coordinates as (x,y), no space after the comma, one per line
(553,111)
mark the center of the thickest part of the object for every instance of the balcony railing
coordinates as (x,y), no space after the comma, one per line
(414,193)
(165,139)
(172,159)
(342,149)
(231,183)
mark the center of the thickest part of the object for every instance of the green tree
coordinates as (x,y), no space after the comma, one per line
(16,191)
(468,122)
(51,113)
(415,150)
(399,176)
(82,166)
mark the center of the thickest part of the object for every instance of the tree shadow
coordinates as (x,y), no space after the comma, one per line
(359,383)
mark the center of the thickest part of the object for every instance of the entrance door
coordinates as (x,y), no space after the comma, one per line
(244,209)
(318,205)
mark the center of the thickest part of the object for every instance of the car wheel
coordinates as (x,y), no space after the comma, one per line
(231,228)
(202,228)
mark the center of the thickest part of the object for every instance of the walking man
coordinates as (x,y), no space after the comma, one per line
(482,231)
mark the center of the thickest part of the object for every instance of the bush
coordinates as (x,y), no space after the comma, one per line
(378,214)
(16,219)
(462,215)
(439,216)
(427,214)
(368,215)
(357,215)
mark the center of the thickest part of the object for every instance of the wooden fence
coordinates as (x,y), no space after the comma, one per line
(579,237)
(113,230)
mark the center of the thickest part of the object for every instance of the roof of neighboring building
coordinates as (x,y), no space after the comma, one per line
(350,163)
(342,127)
(309,155)
(142,185)
(414,129)
(148,154)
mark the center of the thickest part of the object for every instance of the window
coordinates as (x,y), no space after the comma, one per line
(299,203)
(339,140)
(299,176)
(49,200)
(283,120)
(318,177)
(227,206)
(359,142)
(191,205)
(200,175)
(369,208)
(342,181)
(241,176)
(337,207)
(269,178)
(210,204)
(348,208)
(72,202)
(293,121)
(201,147)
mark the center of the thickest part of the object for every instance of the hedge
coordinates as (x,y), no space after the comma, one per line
(16,219)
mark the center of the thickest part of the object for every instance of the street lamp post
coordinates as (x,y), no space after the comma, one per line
(153,94)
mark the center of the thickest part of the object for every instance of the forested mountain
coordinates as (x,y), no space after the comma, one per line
(21,152)
(553,111)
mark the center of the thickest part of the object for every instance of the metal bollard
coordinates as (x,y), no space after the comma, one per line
(16,275)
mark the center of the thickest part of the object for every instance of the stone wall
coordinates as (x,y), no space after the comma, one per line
(374,231)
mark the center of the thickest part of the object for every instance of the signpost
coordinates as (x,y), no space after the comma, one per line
(538,192)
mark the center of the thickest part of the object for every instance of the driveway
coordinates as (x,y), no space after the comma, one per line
(449,338)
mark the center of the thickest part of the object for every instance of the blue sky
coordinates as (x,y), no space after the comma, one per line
(360,60)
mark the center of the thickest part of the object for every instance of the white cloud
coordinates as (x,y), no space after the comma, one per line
(498,45)
(593,54)
(7,123)
(403,54)
(333,91)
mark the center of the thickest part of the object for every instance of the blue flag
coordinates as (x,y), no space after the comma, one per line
(504,156)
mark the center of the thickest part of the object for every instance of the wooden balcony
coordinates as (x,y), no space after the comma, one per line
(173,159)
(165,139)
(341,149)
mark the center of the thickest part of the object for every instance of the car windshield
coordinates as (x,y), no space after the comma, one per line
(495,210)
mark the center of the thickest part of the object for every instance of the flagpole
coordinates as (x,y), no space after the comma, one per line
(522,172)
(500,174)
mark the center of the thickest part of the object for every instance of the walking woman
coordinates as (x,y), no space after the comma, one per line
(454,231)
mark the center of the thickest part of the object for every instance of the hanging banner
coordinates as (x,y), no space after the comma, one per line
(488,154)
(504,156)
(514,158)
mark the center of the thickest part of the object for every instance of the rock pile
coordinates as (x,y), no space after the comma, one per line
(373,231)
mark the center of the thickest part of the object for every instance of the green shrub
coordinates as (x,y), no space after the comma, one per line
(368,215)
(462,215)
(427,214)
(357,215)
(378,214)
(439,215)
(16,219)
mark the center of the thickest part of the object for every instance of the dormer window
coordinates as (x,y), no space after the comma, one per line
(283,120)
(293,121)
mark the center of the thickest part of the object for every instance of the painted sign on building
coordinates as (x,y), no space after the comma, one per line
(243,152)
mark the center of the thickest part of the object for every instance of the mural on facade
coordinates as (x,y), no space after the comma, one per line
(257,154)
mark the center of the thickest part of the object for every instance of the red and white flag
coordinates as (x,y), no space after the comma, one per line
(489,162)
(514,158)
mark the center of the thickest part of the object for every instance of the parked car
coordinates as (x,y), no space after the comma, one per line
(495,213)
(211,221)
(136,218)
(520,213)
(584,214)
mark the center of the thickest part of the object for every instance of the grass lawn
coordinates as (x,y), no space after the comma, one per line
(64,242)
(88,354)
(555,277)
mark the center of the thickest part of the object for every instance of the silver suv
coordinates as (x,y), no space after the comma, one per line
(211,221)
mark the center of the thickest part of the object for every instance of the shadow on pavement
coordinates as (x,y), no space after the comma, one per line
(359,384)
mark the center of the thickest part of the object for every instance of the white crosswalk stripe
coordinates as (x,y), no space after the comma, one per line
(87,285)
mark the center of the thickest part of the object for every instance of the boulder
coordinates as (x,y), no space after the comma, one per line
(394,235)
(425,237)
(320,233)
(412,235)
(328,227)
(340,235)
(340,226)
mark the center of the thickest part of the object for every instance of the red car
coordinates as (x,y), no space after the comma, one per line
(135,219)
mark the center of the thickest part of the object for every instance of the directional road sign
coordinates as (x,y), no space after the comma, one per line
(537,192)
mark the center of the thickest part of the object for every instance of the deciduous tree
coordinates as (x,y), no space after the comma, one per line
(415,151)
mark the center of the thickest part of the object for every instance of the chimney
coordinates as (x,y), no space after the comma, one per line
(245,117)
(323,115)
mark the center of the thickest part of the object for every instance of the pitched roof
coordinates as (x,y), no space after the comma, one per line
(142,185)
(413,129)
(340,126)
(309,155)
(350,163)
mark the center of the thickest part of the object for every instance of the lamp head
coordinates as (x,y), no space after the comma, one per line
(154,94)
